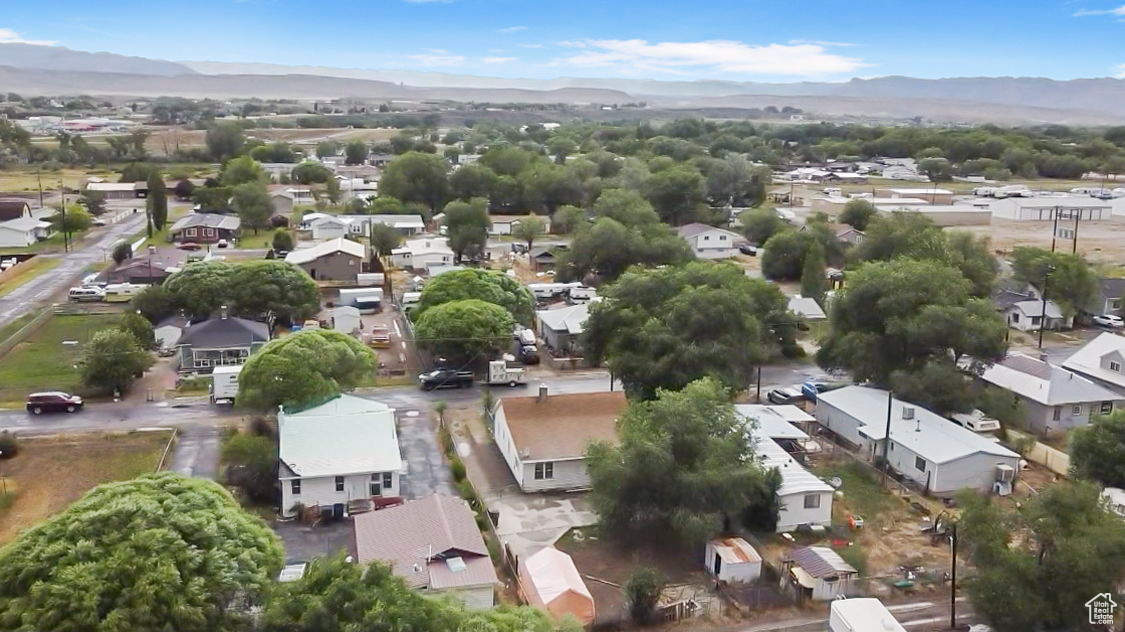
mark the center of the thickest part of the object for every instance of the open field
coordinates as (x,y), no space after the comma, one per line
(51,473)
(28,271)
(43,362)
(167,140)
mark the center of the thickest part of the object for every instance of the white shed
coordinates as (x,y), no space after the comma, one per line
(733,560)
(345,319)
(862,615)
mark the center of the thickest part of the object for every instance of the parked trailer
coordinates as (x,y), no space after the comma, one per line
(548,291)
(500,373)
(367,300)
(369,279)
(224,383)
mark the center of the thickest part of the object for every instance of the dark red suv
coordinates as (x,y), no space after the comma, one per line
(53,401)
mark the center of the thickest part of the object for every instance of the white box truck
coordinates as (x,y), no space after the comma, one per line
(367,300)
(224,383)
(499,373)
(862,615)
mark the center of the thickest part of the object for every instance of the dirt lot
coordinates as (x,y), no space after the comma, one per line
(1101,242)
(165,141)
(51,473)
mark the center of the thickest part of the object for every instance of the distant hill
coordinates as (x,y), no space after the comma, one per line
(60,58)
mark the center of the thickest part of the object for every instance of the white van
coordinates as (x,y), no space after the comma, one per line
(85,294)
(122,292)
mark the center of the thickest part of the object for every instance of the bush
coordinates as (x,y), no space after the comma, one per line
(458,469)
(642,591)
(9,445)
(252,465)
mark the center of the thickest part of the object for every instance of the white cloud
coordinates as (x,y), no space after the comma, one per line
(498,60)
(8,36)
(1117,11)
(437,60)
(512,29)
(1119,71)
(530,45)
(716,56)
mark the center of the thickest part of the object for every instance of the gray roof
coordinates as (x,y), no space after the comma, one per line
(820,561)
(223,333)
(571,320)
(1005,298)
(1088,359)
(1112,288)
(1043,382)
(1035,308)
(209,220)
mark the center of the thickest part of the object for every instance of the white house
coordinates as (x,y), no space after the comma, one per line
(324,226)
(1054,399)
(421,254)
(341,451)
(543,438)
(817,573)
(434,545)
(404,224)
(732,560)
(865,614)
(503,224)
(708,242)
(1102,359)
(345,319)
(806,308)
(24,231)
(924,447)
(560,328)
(1027,315)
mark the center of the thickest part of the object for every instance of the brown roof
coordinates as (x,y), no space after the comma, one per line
(13,208)
(1028,365)
(562,426)
(429,535)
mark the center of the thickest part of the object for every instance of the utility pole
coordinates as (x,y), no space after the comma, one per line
(1074,247)
(887,437)
(953,576)
(759,384)
(1043,314)
(39,179)
(1055,227)
(62,223)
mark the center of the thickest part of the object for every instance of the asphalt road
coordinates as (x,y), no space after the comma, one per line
(45,286)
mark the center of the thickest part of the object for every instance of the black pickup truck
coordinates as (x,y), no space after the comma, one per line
(445,378)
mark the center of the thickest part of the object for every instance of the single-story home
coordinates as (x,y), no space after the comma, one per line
(709,242)
(732,560)
(25,230)
(543,438)
(817,573)
(406,225)
(434,545)
(549,580)
(806,308)
(339,453)
(1109,300)
(340,259)
(1027,315)
(925,447)
(218,341)
(148,268)
(322,226)
(544,257)
(560,328)
(205,228)
(14,208)
(1054,399)
(282,202)
(1103,360)
(421,254)
(503,224)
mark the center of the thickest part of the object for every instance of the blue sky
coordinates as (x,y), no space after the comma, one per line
(704,39)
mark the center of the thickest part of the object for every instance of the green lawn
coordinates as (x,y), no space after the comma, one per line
(249,241)
(43,362)
(10,328)
(863,494)
(28,271)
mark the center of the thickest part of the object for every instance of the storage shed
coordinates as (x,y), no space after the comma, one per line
(733,560)
(550,581)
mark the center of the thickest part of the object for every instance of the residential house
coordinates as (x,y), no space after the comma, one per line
(169,330)
(503,224)
(1028,315)
(817,573)
(25,230)
(205,228)
(119,190)
(337,456)
(282,202)
(1054,399)
(338,260)
(708,242)
(732,560)
(543,438)
(806,308)
(149,268)
(925,447)
(544,257)
(278,171)
(406,225)
(323,226)
(1110,299)
(420,254)
(1103,360)
(803,498)
(549,580)
(560,328)
(14,208)
(434,545)
(220,341)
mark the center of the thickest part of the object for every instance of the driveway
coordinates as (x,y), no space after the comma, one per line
(304,543)
(426,471)
(196,452)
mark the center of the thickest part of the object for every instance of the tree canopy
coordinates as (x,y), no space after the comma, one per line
(464,330)
(159,552)
(607,248)
(486,285)
(467,227)
(112,360)
(303,369)
(249,289)
(1071,282)
(1097,451)
(759,224)
(252,202)
(416,177)
(857,213)
(665,328)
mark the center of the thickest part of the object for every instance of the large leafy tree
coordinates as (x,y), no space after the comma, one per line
(200,288)
(416,177)
(529,229)
(1097,451)
(472,181)
(155,302)
(160,552)
(463,330)
(1036,566)
(467,227)
(1071,282)
(338,596)
(241,170)
(667,327)
(625,206)
(857,213)
(140,328)
(682,466)
(785,251)
(759,224)
(224,141)
(304,368)
(899,317)
(676,193)
(252,202)
(310,172)
(112,359)
(355,152)
(486,285)
(608,248)
(271,286)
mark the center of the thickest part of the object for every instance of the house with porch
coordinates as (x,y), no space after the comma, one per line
(219,341)
(205,228)
(339,260)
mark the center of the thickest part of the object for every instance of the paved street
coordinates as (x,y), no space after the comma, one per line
(196,452)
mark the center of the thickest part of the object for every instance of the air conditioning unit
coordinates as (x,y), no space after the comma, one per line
(1005,473)
(908,412)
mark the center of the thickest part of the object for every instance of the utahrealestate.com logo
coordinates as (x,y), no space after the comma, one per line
(1101,609)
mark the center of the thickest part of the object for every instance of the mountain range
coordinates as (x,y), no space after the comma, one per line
(50,70)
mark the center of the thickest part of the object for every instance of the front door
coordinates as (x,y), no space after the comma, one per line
(718,564)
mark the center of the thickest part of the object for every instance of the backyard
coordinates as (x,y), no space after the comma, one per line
(50,473)
(45,361)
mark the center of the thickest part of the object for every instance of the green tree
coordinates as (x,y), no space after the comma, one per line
(155,302)
(327,148)
(759,224)
(157,201)
(332,190)
(625,206)
(251,465)
(529,229)
(282,240)
(242,170)
(676,193)
(608,248)
(642,592)
(682,466)
(122,252)
(667,327)
(224,141)
(94,201)
(384,239)
(467,226)
(903,314)
(416,177)
(475,283)
(1071,282)
(938,169)
(309,172)
(70,219)
(783,255)
(560,147)
(140,328)
(212,199)
(857,213)
(252,202)
(1039,564)
(159,552)
(470,181)
(304,369)
(567,219)
(813,281)
(271,286)
(355,153)
(112,360)
(137,172)
(464,330)
(200,288)
(1097,451)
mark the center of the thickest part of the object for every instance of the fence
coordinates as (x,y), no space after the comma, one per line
(17,269)
(23,333)
(1055,460)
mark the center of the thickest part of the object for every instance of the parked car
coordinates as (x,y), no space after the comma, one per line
(812,388)
(747,249)
(445,378)
(53,402)
(529,354)
(787,395)
(86,294)
(189,245)
(1109,320)
(222,243)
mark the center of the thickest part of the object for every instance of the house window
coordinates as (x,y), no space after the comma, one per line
(1015,317)
(544,470)
(920,464)
(1057,414)
(295,487)
(1035,321)
(1115,366)
(376,485)
(1076,410)
(339,483)
(1106,408)
(812,501)
(706,238)
(387,480)
(1113,304)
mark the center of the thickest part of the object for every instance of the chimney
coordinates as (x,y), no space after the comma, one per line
(542,393)
(918,425)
